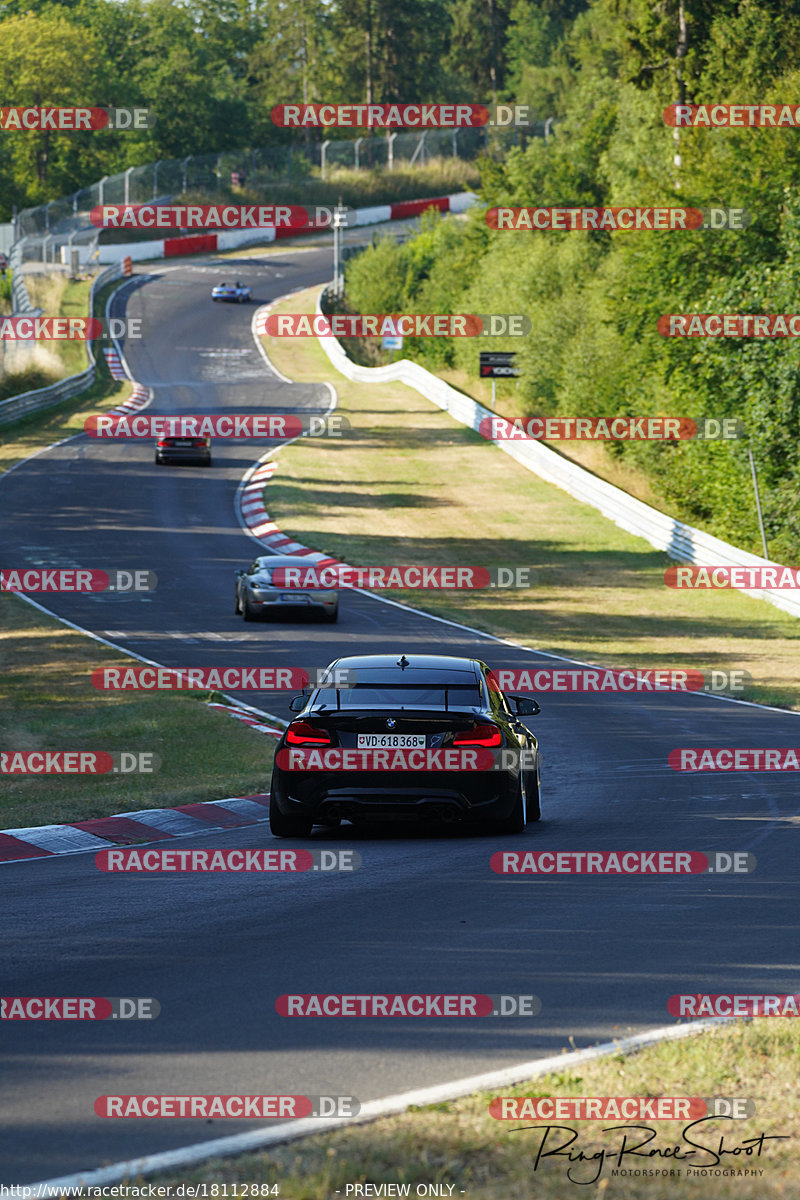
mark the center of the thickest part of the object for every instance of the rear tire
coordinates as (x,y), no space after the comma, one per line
(330,617)
(516,822)
(286,825)
(533,794)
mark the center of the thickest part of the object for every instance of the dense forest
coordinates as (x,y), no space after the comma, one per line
(211,70)
(594,299)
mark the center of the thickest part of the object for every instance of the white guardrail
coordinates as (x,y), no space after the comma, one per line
(682,542)
(17,407)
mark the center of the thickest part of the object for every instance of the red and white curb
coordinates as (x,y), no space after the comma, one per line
(140,395)
(114,364)
(139,398)
(126,829)
(256,519)
(247,718)
(203,243)
(253,516)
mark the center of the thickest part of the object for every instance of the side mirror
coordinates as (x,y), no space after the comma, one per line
(524,706)
(298,703)
(239,573)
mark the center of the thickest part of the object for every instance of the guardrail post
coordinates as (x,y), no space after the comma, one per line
(420,150)
(758,502)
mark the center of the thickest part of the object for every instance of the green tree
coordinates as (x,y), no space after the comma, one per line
(46,60)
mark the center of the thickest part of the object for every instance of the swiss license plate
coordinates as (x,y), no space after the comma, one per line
(292,597)
(182,442)
(392,741)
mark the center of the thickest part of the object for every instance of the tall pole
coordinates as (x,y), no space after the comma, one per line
(758,502)
(680,54)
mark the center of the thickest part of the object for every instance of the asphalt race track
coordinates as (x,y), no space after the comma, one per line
(424,913)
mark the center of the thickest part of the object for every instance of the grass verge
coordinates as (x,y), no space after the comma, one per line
(409,485)
(32,433)
(47,702)
(458,1144)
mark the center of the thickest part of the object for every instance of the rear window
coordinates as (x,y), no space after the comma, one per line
(412,689)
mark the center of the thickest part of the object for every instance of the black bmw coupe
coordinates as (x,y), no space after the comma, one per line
(419,738)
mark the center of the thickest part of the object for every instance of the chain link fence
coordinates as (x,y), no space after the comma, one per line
(258,167)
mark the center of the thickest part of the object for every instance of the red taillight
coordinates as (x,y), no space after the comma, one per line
(479,735)
(302,733)
(206,441)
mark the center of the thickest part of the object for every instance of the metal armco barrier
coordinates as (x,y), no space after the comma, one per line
(681,542)
(17,407)
(20,300)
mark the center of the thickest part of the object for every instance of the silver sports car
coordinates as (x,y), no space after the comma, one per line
(257,596)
